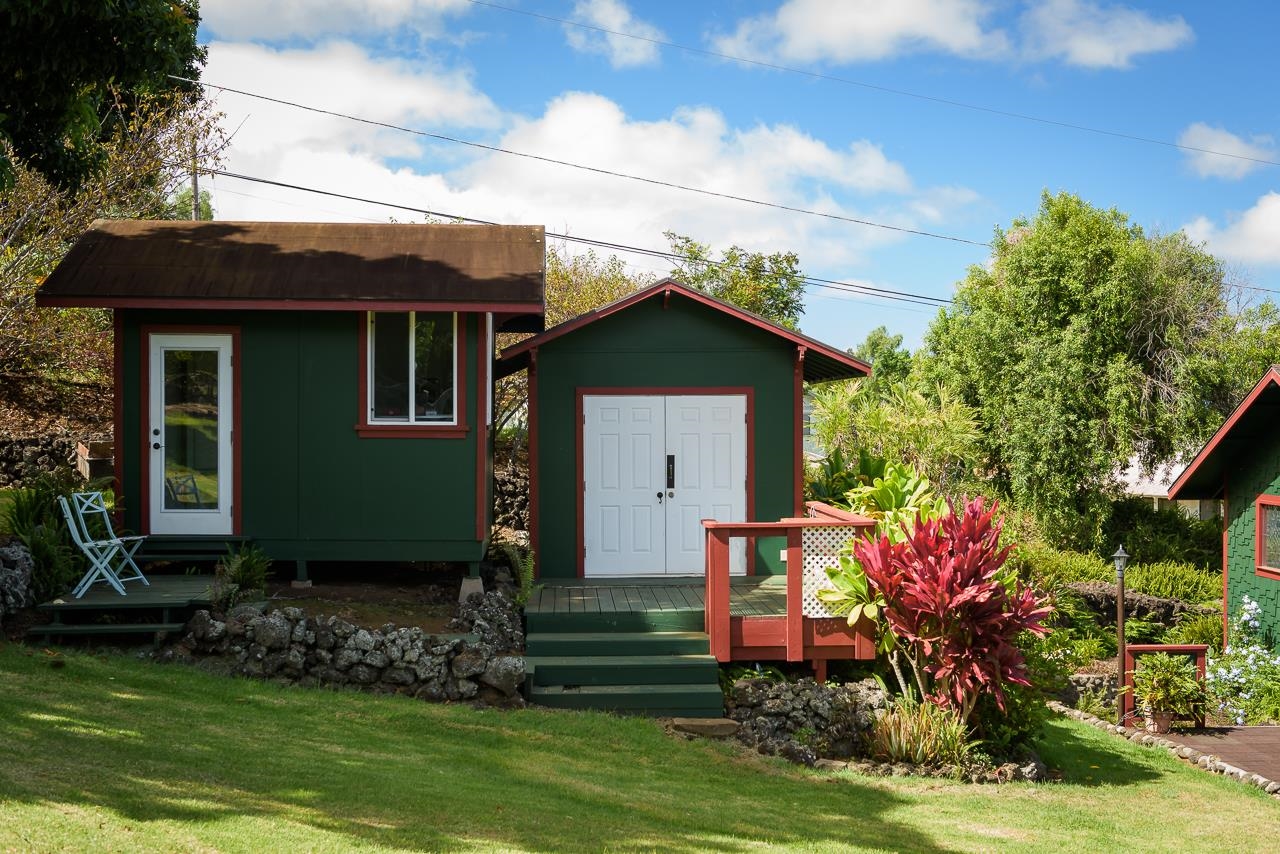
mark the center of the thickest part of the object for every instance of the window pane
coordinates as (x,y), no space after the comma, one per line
(390,365)
(433,366)
(1271,535)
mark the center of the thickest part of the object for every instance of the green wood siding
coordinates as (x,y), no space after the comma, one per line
(313,489)
(1259,474)
(683,345)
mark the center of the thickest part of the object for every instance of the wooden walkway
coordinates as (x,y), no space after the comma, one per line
(759,596)
(1256,749)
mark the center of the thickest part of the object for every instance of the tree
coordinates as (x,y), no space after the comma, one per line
(72,71)
(889,360)
(39,221)
(180,205)
(1083,342)
(772,286)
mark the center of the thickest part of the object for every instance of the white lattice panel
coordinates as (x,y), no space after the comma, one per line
(820,548)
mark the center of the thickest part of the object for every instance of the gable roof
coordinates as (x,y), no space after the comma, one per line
(309,265)
(1257,414)
(822,362)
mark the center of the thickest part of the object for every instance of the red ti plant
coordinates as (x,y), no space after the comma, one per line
(954,617)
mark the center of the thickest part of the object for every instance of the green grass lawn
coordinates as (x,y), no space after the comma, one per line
(106,754)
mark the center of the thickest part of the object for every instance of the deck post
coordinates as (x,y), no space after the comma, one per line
(795,595)
(717,604)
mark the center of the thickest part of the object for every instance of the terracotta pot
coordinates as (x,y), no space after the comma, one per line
(1159,722)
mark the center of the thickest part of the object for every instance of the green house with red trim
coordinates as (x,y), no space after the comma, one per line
(322,389)
(655,412)
(1241,466)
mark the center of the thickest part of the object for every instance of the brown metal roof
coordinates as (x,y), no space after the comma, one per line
(140,263)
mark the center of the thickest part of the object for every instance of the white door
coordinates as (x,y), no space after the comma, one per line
(189,434)
(653,468)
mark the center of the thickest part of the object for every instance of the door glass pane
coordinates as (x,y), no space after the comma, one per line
(190,429)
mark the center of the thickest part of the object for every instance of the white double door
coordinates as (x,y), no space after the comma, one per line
(653,468)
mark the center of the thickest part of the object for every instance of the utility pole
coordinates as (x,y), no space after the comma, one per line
(195,185)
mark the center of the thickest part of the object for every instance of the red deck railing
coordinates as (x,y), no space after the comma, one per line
(789,637)
(1197,651)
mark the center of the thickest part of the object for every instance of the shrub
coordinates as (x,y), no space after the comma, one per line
(1197,628)
(1244,681)
(834,475)
(1172,580)
(1096,703)
(240,574)
(1160,536)
(1047,568)
(1167,683)
(944,601)
(36,520)
(920,734)
(521,561)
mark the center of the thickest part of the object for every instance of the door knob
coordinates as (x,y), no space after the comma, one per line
(659,496)
(671,494)
(155,445)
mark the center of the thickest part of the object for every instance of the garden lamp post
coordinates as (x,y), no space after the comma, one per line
(1122,560)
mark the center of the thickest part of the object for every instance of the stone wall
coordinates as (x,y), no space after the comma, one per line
(804,721)
(23,459)
(286,645)
(511,498)
(15,579)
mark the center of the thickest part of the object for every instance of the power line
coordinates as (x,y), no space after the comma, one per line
(831,284)
(594,169)
(888,90)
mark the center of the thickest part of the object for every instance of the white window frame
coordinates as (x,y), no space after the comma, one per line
(411,418)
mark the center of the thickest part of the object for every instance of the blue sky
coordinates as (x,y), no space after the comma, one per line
(1196,74)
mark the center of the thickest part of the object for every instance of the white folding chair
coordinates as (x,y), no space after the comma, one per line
(109,555)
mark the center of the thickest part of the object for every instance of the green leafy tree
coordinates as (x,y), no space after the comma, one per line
(73,71)
(1083,342)
(771,286)
(889,360)
(180,205)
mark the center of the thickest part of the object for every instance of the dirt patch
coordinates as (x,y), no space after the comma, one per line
(372,604)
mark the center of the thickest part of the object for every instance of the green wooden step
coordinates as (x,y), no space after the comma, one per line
(625,670)
(657,700)
(684,620)
(617,643)
(70,629)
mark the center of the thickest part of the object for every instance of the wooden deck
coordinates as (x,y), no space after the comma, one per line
(758,596)
(165,591)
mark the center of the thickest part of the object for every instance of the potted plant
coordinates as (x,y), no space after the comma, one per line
(1166,687)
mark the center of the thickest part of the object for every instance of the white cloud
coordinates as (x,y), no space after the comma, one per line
(613,15)
(692,146)
(864,30)
(1252,238)
(1206,165)
(277,19)
(1089,34)
(338,76)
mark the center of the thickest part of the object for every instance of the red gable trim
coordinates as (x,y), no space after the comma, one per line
(1272,376)
(668,287)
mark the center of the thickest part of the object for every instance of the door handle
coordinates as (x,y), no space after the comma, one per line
(659,496)
(155,446)
(671,471)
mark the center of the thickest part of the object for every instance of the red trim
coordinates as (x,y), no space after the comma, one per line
(117,412)
(482,429)
(367,430)
(798,450)
(795,593)
(1197,651)
(1259,540)
(1271,376)
(668,287)
(518,308)
(637,391)
(144,486)
(533,463)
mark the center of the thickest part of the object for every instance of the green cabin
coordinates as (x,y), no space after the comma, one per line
(322,389)
(1241,466)
(653,413)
